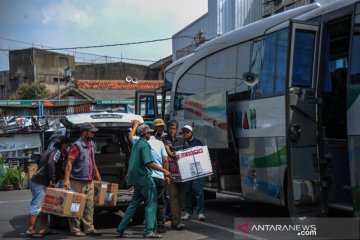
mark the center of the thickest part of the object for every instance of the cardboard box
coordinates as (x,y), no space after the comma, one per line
(105,193)
(192,163)
(63,202)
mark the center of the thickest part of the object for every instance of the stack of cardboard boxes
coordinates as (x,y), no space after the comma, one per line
(105,193)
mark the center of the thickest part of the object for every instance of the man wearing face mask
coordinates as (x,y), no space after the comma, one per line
(80,172)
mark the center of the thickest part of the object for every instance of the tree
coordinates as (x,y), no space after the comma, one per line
(32,91)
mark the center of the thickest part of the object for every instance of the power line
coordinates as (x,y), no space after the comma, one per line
(98,46)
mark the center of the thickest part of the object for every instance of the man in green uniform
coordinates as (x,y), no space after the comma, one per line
(139,176)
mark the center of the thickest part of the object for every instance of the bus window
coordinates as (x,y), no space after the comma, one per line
(281,61)
(267,75)
(192,82)
(242,67)
(355,63)
(221,71)
(303,58)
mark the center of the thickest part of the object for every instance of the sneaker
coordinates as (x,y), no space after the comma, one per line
(201,217)
(187,216)
(153,235)
(179,227)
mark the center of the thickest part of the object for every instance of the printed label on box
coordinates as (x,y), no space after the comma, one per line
(109,196)
(75,207)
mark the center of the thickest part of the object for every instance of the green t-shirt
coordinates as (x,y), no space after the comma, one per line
(138,172)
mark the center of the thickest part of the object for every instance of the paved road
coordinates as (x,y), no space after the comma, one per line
(220,223)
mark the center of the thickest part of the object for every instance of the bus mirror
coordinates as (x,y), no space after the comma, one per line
(250,78)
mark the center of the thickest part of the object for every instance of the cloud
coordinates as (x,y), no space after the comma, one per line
(181,12)
(64,12)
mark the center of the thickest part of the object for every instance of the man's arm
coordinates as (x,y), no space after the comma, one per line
(153,165)
(132,133)
(97,173)
(68,169)
(51,167)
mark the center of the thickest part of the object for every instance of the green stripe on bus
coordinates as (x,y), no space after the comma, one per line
(353,93)
(275,159)
(356,198)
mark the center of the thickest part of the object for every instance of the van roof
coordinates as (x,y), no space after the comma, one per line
(103,117)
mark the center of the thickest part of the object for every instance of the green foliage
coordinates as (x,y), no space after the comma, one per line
(11,175)
(32,91)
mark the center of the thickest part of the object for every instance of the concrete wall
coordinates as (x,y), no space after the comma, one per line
(37,65)
(114,71)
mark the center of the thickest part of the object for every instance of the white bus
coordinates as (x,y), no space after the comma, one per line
(277,102)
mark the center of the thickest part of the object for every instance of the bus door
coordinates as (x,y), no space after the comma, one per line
(146,105)
(303,184)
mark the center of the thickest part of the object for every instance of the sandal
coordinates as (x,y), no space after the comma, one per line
(33,235)
(47,232)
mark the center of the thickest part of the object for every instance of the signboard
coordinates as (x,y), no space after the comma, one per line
(207,114)
(129,101)
(16,103)
(19,142)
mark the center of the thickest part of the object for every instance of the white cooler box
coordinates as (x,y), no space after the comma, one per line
(192,163)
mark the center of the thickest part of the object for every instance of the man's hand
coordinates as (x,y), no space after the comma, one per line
(52,184)
(136,123)
(97,176)
(67,183)
(167,173)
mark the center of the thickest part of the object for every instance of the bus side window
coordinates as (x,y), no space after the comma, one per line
(303,58)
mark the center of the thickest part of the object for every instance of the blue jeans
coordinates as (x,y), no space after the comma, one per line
(38,194)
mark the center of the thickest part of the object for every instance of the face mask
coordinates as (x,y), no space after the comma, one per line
(88,138)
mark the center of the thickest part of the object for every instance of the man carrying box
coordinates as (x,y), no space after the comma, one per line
(196,185)
(50,167)
(81,169)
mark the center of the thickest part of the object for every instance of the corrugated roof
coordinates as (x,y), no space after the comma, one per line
(99,94)
(119,84)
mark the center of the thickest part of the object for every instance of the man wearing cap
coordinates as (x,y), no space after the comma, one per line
(196,185)
(159,155)
(159,128)
(174,143)
(139,174)
(50,167)
(80,172)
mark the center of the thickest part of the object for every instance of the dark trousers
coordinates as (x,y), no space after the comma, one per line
(160,190)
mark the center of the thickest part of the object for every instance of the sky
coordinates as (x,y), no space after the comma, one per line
(79,23)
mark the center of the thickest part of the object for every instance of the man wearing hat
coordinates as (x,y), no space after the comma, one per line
(159,128)
(140,176)
(50,167)
(80,172)
(196,185)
